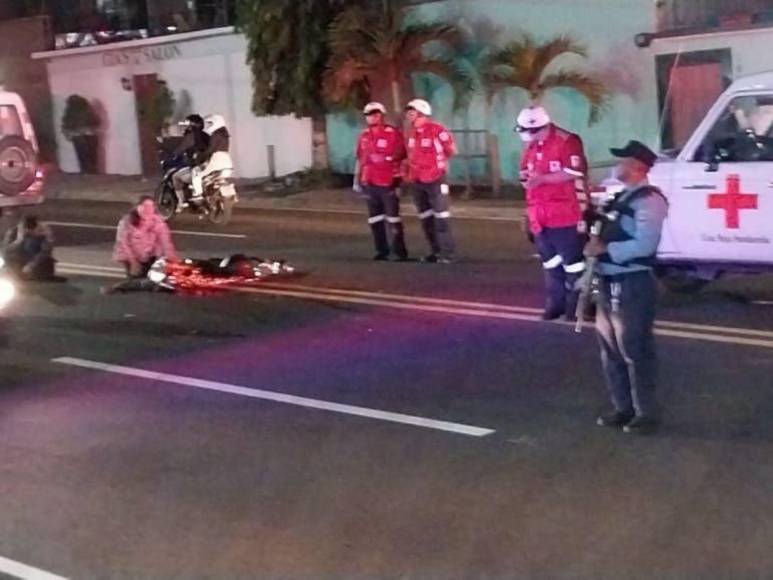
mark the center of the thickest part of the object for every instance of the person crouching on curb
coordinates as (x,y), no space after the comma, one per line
(141,239)
(625,315)
(430,147)
(380,151)
(28,250)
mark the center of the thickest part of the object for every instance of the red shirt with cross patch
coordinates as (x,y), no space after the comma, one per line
(555,205)
(380,149)
(430,147)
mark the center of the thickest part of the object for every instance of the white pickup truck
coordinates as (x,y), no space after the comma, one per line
(21,180)
(720,190)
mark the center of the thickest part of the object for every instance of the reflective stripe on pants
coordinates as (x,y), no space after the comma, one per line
(383,208)
(433,209)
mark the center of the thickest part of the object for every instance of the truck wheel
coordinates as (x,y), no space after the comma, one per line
(680,281)
(18,165)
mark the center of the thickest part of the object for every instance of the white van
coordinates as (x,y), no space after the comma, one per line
(21,179)
(720,190)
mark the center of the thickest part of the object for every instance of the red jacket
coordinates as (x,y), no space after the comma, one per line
(380,150)
(429,149)
(555,205)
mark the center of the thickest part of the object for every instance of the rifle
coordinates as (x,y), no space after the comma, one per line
(586,282)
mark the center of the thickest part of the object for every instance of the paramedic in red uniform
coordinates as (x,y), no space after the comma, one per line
(380,151)
(553,172)
(430,147)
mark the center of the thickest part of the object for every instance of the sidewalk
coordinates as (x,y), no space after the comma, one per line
(118,188)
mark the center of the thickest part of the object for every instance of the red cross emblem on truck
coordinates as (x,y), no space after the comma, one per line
(733,201)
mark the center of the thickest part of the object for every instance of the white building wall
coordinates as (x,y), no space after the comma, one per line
(206,72)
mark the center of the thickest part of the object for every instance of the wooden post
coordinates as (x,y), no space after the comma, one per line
(495,166)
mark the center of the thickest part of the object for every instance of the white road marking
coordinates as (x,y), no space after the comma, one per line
(177,232)
(19,570)
(279,397)
(410,214)
(673,329)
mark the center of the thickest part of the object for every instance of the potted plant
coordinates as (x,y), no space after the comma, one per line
(80,124)
(159,110)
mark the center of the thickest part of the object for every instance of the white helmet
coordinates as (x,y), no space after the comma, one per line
(532,119)
(374,107)
(420,106)
(212,123)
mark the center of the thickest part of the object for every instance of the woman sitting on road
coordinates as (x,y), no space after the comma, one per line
(142,238)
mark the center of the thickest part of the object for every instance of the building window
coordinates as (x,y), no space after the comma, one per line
(675,15)
(688,85)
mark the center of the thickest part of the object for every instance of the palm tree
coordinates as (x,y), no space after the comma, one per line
(375,50)
(524,63)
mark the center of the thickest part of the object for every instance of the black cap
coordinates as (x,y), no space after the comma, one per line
(636,150)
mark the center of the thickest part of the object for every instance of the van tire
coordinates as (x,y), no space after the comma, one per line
(18,165)
(680,281)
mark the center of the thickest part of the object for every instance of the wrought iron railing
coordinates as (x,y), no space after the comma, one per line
(109,21)
(708,14)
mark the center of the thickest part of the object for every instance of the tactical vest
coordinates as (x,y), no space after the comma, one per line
(612,230)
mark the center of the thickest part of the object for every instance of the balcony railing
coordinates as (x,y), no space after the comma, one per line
(120,21)
(674,15)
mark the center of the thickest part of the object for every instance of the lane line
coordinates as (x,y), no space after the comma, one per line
(19,570)
(409,214)
(178,232)
(508,308)
(499,315)
(720,334)
(297,401)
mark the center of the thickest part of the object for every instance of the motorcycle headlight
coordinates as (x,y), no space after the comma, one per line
(7,292)
(157,272)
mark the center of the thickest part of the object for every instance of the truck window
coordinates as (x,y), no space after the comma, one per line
(743,133)
(10,124)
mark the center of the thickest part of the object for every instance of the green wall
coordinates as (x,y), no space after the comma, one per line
(606,27)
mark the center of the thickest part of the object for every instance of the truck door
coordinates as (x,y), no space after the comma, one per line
(722,190)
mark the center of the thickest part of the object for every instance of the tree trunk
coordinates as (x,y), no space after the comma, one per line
(397,98)
(492,147)
(320,157)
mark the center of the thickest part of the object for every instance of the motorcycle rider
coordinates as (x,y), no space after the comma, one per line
(216,157)
(193,145)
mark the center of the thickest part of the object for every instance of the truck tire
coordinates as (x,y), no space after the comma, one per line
(18,165)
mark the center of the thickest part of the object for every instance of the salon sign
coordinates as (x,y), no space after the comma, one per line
(140,56)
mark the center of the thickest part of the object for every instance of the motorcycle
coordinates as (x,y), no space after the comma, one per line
(217,273)
(219,191)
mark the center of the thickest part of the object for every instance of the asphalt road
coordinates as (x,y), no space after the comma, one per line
(369,420)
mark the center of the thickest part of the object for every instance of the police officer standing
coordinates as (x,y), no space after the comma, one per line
(430,147)
(553,169)
(625,313)
(380,151)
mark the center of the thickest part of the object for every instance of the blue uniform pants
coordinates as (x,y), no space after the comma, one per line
(383,209)
(435,215)
(625,317)
(560,250)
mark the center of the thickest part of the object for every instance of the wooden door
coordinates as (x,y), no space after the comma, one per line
(145,91)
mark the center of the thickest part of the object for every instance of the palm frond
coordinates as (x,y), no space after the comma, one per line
(455,74)
(596,93)
(549,51)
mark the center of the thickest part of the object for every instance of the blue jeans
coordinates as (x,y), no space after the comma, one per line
(624,322)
